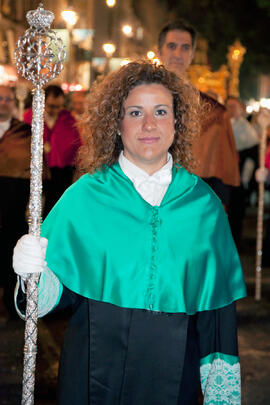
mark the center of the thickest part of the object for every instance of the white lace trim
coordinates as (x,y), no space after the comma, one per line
(19,284)
(49,291)
(221,383)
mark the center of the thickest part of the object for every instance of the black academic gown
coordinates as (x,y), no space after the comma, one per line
(107,360)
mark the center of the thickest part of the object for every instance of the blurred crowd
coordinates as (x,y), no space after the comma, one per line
(248,131)
(61,142)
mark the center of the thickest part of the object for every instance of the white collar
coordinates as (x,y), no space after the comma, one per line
(136,174)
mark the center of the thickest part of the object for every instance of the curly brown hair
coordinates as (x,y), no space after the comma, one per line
(101,122)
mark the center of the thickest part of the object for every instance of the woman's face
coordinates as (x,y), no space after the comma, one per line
(147,126)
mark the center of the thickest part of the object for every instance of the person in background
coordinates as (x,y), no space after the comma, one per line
(78,107)
(78,104)
(61,143)
(15,140)
(214,151)
(262,174)
(142,251)
(246,140)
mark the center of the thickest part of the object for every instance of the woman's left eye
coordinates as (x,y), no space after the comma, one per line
(161,112)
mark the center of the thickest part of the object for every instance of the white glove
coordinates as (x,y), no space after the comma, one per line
(29,255)
(261,174)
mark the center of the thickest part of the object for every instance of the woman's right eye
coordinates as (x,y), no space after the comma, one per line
(135,113)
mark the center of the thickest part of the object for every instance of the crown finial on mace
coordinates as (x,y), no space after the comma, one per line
(40,18)
(40,53)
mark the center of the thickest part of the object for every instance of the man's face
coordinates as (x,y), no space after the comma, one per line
(7,103)
(54,105)
(176,53)
(78,103)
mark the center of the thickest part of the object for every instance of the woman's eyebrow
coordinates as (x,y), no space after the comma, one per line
(163,105)
(140,107)
(133,106)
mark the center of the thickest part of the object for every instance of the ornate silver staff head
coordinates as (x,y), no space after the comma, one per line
(40,52)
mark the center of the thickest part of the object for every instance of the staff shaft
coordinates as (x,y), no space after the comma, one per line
(259,242)
(35,209)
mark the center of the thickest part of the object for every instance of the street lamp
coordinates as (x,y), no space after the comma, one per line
(125,45)
(151,55)
(156,61)
(110,3)
(235,58)
(70,17)
(127,30)
(109,49)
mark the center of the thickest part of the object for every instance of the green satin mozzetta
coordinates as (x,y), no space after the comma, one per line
(107,243)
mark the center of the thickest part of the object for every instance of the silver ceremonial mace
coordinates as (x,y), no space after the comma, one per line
(259,241)
(264,120)
(39,58)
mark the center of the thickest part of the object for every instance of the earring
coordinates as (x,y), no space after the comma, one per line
(118,133)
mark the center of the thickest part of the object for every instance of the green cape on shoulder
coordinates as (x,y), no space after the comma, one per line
(107,243)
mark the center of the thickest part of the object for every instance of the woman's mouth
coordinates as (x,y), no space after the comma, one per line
(149,139)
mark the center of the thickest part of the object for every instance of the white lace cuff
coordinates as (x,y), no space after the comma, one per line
(49,292)
(220,379)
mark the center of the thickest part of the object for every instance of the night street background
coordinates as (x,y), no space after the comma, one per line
(219,24)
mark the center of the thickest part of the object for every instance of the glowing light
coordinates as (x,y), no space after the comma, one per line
(7,75)
(156,61)
(124,62)
(256,106)
(236,54)
(70,17)
(151,55)
(66,87)
(109,49)
(110,3)
(127,30)
(265,103)
(78,87)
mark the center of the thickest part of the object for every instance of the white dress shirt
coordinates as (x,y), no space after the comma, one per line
(244,134)
(4,126)
(151,188)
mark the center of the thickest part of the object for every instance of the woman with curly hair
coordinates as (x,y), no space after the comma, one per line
(141,250)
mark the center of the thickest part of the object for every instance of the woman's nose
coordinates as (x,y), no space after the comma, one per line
(149,122)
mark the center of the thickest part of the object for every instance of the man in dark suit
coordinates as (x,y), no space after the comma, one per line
(215,151)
